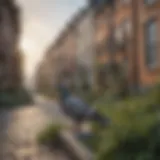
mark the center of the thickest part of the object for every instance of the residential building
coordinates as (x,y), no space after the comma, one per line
(10,76)
(73,50)
(107,31)
(146,20)
(128,32)
(60,58)
(85,49)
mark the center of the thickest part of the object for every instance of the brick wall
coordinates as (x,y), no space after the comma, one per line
(138,13)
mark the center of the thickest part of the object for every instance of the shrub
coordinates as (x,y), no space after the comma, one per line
(15,98)
(50,135)
(90,140)
(132,145)
(134,133)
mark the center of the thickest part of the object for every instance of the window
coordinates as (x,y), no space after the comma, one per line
(119,34)
(123,33)
(125,1)
(123,30)
(149,2)
(96,2)
(127,27)
(151,43)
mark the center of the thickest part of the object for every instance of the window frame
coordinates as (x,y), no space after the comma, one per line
(151,65)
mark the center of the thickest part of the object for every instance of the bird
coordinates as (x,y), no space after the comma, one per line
(78,109)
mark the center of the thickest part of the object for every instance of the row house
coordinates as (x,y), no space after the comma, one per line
(65,48)
(85,49)
(10,72)
(127,31)
(72,52)
(60,56)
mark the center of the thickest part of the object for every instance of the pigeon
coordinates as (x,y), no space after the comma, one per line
(78,109)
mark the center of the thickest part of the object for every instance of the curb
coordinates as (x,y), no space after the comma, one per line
(74,148)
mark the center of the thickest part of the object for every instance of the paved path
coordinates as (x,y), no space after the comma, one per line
(19,127)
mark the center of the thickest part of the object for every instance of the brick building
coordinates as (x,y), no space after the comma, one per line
(125,32)
(72,48)
(128,31)
(85,49)
(60,57)
(64,52)
(10,71)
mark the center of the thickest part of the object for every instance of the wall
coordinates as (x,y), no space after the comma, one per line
(85,48)
(9,33)
(147,75)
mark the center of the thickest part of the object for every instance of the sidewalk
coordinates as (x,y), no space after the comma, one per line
(72,145)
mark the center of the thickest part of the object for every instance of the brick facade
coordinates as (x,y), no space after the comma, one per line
(147,75)
(119,35)
(132,48)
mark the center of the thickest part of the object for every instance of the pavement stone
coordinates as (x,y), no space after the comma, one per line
(19,127)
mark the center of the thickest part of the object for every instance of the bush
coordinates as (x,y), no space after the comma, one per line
(15,98)
(135,130)
(50,135)
(90,140)
(90,96)
(131,145)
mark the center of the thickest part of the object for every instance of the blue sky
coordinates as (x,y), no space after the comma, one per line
(41,22)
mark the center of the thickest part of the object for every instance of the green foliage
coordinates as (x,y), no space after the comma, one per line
(13,98)
(49,134)
(135,130)
(51,93)
(89,96)
(113,77)
(92,142)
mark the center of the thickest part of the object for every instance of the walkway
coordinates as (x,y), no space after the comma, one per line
(19,127)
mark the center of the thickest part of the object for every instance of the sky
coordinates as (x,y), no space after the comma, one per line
(41,21)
